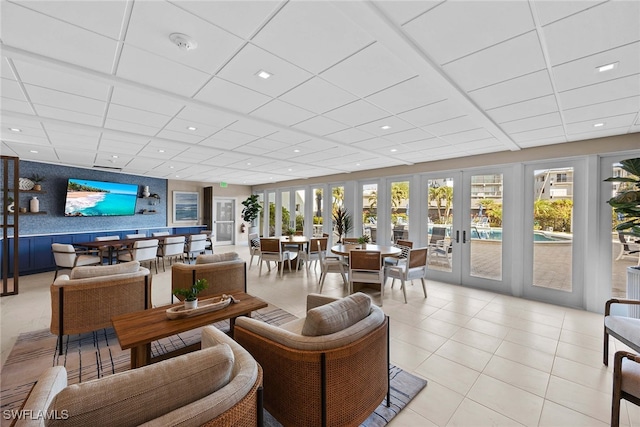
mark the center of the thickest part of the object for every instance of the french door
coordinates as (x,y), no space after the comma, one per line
(554,239)
(225,221)
(467,231)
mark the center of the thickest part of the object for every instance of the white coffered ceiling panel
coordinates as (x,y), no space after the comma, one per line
(100,83)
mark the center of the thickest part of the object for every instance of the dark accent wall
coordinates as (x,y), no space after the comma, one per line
(53,198)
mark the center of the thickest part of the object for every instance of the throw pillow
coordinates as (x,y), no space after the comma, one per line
(140,395)
(255,243)
(104,270)
(211,258)
(337,315)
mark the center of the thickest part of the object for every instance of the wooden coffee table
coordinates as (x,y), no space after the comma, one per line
(137,330)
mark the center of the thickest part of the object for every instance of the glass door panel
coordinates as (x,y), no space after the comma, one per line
(485,238)
(552,228)
(318,211)
(337,201)
(299,210)
(550,245)
(439,223)
(225,222)
(370,211)
(399,197)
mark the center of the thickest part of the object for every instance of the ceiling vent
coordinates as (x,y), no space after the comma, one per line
(112,168)
(183,41)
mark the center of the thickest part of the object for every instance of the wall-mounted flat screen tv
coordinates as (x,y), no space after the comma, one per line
(98,198)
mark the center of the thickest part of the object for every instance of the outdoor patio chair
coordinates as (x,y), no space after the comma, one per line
(628,249)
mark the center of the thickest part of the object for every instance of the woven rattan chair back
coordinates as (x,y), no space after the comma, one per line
(364,260)
(270,245)
(417,257)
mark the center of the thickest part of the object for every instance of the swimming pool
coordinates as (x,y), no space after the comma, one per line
(496,234)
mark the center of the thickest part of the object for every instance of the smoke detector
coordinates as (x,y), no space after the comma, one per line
(183,41)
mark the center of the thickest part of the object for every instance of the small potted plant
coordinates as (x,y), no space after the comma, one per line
(290,232)
(363,240)
(191,294)
(37,179)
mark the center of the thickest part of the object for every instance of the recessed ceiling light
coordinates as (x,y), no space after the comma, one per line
(192,128)
(296,151)
(160,151)
(170,167)
(289,169)
(598,125)
(385,127)
(248,164)
(263,74)
(15,130)
(357,164)
(114,156)
(607,67)
(33,151)
(393,150)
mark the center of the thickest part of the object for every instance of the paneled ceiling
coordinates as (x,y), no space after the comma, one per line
(354,85)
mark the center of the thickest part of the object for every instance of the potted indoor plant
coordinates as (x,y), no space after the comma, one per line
(344,224)
(626,205)
(191,294)
(363,240)
(37,179)
(251,211)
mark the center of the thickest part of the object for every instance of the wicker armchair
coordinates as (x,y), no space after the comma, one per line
(333,379)
(88,299)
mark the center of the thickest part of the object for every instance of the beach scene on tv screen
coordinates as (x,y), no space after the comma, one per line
(98,198)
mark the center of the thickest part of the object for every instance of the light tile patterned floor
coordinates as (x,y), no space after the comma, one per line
(490,359)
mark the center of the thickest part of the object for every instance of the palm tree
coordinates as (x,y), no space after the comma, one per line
(399,192)
(439,194)
(319,202)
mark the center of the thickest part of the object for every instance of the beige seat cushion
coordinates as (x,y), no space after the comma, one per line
(337,315)
(104,270)
(631,377)
(134,397)
(211,258)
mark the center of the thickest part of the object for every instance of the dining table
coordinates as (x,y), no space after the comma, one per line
(119,244)
(385,250)
(299,242)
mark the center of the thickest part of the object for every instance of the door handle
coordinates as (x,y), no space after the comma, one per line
(457,236)
(464,236)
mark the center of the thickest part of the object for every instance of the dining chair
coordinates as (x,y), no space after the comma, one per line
(626,382)
(350,240)
(141,250)
(366,267)
(254,246)
(329,264)
(160,234)
(312,252)
(404,246)
(135,236)
(172,247)
(196,244)
(66,256)
(271,250)
(107,251)
(209,240)
(415,267)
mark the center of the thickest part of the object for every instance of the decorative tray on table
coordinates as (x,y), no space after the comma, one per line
(204,306)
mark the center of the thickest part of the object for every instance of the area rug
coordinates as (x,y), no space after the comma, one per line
(98,354)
